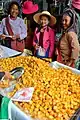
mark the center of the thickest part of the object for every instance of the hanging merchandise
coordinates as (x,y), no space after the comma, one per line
(40,4)
(56,8)
(49,1)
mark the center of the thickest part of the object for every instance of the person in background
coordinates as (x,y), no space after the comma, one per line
(29,9)
(13,31)
(44,36)
(68,46)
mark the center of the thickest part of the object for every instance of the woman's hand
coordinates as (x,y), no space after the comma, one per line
(56,52)
(36,46)
(8,76)
(14,37)
(17,36)
(3,36)
(71,62)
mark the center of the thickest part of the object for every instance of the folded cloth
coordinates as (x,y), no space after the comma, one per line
(4,108)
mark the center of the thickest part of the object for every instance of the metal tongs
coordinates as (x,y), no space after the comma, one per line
(16,73)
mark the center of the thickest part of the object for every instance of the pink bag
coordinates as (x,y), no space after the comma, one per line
(18,45)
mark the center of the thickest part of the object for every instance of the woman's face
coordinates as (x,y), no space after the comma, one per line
(44,21)
(66,21)
(14,11)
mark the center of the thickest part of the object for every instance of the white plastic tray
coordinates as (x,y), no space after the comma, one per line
(57,65)
(14,113)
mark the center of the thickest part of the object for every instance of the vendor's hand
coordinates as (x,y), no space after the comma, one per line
(8,76)
(2,36)
(1,69)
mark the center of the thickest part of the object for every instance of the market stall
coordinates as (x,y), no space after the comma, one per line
(56,88)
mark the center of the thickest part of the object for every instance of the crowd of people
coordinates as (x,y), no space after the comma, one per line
(37,31)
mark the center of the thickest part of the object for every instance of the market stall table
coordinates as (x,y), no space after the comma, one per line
(50,80)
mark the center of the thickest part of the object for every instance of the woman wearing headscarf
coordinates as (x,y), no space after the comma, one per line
(68,47)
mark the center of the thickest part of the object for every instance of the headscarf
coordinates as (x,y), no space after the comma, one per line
(72,14)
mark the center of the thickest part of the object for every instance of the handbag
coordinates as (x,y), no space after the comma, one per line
(18,45)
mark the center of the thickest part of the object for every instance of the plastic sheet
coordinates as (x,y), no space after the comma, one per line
(16,114)
(3,53)
(6,52)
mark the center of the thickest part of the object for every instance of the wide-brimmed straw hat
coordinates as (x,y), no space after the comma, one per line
(36,17)
(28,7)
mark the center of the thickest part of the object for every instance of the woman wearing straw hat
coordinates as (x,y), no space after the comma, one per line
(44,36)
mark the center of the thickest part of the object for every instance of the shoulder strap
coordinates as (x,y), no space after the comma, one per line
(8,26)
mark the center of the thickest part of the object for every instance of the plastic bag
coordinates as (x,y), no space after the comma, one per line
(41,51)
(26,52)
